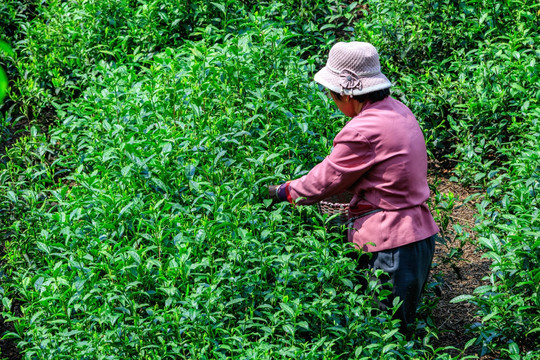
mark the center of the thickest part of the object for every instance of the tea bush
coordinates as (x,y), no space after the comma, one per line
(137,218)
(57,54)
(510,229)
(471,78)
(154,243)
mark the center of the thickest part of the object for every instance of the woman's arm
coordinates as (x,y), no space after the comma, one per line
(347,162)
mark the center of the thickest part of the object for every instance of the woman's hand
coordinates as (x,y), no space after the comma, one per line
(272,192)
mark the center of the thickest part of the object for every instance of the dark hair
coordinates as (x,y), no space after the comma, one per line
(372,96)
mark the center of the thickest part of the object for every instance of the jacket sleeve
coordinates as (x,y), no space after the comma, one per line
(351,157)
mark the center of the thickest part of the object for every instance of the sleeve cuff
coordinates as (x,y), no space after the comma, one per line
(283,193)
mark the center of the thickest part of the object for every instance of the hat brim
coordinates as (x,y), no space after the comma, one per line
(371,83)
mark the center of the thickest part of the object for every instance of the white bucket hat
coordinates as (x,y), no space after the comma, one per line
(352,68)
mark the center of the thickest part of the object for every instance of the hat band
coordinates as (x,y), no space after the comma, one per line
(365,74)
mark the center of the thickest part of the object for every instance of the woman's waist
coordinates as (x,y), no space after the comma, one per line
(361,203)
(361,209)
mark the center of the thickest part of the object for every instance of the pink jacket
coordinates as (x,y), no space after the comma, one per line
(380,156)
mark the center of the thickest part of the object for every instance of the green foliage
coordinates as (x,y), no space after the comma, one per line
(452,236)
(510,231)
(468,75)
(59,52)
(5,49)
(145,235)
(136,219)
(57,55)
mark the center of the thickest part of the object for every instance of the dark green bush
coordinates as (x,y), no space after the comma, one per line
(136,221)
(156,244)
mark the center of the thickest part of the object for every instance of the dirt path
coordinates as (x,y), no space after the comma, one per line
(459,276)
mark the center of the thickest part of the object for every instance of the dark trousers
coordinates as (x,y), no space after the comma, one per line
(408,268)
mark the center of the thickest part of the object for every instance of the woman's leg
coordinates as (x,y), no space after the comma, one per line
(408,268)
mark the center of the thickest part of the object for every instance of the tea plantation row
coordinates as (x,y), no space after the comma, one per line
(134,227)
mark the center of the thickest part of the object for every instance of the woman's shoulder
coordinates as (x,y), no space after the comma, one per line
(378,119)
(352,132)
(387,104)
